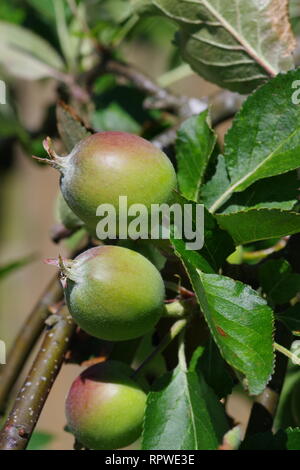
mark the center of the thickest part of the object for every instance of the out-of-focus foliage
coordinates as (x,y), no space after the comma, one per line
(8,268)
(40,440)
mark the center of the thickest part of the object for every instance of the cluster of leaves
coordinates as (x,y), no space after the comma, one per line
(250,193)
(239,318)
(220,40)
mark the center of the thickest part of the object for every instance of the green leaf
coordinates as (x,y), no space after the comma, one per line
(69,43)
(285,416)
(70,127)
(8,268)
(240,321)
(144,7)
(214,369)
(278,281)
(264,194)
(291,438)
(194,257)
(194,146)
(9,123)
(291,319)
(264,139)
(12,13)
(217,185)
(259,224)
(40,440)
(115,118)
(45,9)
(218,245)
(237,45)
(25,54)
(115,11)
(183,414)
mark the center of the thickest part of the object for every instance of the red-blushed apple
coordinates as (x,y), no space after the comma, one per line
(106,165)
(105,407)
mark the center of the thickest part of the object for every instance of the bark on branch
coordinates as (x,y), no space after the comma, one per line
(33,394)
(26,339)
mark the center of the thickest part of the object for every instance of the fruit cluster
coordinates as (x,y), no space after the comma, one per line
(113,293)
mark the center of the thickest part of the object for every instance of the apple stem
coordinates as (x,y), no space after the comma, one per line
(54,160)
(176,328)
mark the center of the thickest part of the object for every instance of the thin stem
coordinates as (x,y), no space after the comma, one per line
(224,196)
(287,353)
(122,33)
(161,98)
(181,351)
(142,82)
(33,394)
(172,76)
(176,328)
(265,405)
(26,339)
(260,254)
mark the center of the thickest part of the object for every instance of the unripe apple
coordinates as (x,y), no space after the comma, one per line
(113,293)
(107,165)
(105,407)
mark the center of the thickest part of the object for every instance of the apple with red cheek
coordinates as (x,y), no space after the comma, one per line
(106,165)
(105,407)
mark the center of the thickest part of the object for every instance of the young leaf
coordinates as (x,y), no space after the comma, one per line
(26,55)
(291,438)
(240,321)
(264,194)
(218,245)
(194,146)
(259,224)
(264,139)
(214,369)
(183,413)
(278,281)
(115,118)
(70,127)
(285,417)
(194,257)
(217,185)
(236,44)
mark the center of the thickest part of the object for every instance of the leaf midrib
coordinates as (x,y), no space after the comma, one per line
(248,48)
(231,188)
